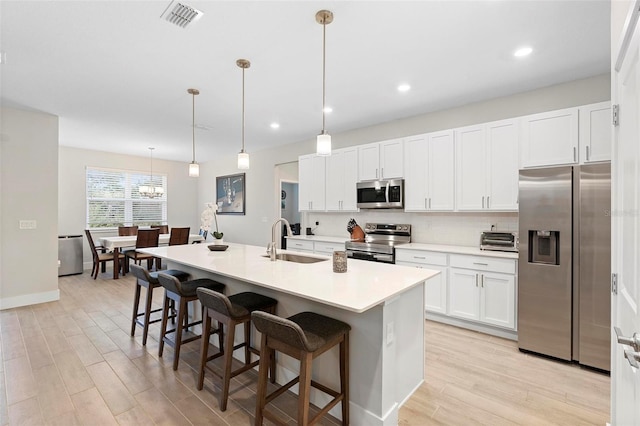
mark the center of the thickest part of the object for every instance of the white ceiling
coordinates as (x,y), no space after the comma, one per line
(117,75)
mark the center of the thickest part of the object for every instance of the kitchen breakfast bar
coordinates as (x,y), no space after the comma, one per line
(383,304)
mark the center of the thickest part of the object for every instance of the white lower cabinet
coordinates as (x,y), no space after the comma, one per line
(300,245)
(483,289)
(326,248)
(435,289)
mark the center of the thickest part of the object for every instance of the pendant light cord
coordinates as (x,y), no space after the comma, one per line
(193,125)
(242,110)
(324,30)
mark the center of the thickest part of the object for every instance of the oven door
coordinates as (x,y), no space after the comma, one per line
(382,194)
(372,257)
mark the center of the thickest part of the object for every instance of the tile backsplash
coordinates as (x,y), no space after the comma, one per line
(460,229)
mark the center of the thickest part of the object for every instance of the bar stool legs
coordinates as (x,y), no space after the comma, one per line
(303,336)
(230,312)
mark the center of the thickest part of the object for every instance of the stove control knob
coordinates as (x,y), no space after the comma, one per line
(404,228)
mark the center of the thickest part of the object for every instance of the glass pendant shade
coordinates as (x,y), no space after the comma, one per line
(243,160)
(323,144)
(194,169)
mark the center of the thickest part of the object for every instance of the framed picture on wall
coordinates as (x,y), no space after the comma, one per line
(230,194)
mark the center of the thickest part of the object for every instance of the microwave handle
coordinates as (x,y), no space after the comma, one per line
(386,193)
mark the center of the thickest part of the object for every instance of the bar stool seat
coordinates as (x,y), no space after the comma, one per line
(303,336)
(149,280)
(181,293)
(229,312)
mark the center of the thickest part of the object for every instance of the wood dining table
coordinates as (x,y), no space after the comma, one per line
(115,243)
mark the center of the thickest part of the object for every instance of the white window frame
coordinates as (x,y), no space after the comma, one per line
(125,190)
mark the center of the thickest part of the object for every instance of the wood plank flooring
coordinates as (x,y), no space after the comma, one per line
(72,362)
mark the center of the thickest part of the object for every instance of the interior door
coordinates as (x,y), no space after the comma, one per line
(625,238)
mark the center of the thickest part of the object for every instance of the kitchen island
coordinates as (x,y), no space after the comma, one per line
(384,304)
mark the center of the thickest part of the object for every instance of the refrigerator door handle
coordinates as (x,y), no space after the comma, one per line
(632,357)
(633,341)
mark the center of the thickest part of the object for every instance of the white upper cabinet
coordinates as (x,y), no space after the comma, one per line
(342,175)
(311,180)
(550,138)
(595,132)
(429,172)
(487,166)
(502,165)
(381,160)
(471,169)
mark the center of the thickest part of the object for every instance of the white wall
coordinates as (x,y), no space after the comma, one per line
(263,179)
(182,209)
(28,191)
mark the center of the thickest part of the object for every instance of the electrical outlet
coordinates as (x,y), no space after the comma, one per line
(317,223)
(28,224)
(390,333)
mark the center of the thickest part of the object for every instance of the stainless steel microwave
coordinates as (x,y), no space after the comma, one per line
(381,194)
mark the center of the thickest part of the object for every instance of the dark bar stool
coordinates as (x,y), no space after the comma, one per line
(229,312)
(181,293)
(303,336)
(149,280)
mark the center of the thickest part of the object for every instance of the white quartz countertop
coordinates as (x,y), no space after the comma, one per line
(321,238)
(363,286)
(458,250)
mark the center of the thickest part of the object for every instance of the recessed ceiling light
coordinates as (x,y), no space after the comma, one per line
(328,109)
(275,125)
(523,51)
(404,88)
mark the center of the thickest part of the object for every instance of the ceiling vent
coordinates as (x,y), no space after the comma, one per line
(180,14)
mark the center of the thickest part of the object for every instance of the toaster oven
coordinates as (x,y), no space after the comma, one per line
(499,241)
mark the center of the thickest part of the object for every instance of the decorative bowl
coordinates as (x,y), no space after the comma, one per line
(217,247)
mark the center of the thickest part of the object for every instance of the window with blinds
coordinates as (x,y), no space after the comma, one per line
(114,198)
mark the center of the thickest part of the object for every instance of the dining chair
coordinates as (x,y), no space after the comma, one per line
(125,231)
(179,236)
(101,257)
(145,238)
(164,229)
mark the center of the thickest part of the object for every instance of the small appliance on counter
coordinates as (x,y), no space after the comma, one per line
(499,241)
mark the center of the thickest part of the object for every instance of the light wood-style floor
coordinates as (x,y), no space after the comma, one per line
(72,362)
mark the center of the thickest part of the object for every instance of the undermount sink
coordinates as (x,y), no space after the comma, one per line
(297,258)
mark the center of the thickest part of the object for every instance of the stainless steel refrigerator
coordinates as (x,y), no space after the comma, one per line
(564,267)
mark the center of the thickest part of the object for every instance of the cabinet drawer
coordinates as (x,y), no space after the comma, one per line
(327,248)
(419,256)
(482,263)
(300,245)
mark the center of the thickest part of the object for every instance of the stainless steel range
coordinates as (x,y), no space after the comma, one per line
(379,243)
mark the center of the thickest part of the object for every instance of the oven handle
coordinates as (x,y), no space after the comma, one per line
(373,257)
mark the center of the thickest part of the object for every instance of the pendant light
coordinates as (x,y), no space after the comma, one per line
(243,157)
(323,142)
(150,190)
(194,168)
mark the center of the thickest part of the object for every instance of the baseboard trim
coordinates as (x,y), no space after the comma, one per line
(486,329)
(29,299)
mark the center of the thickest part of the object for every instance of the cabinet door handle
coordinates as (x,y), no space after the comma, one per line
(478,263)
(419,257)
(425,204)
(376,173)
(382,172)
(574,154)
(487,201)
(587,152)
(429,203)
(476,280)
(481,280)
(483,201)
